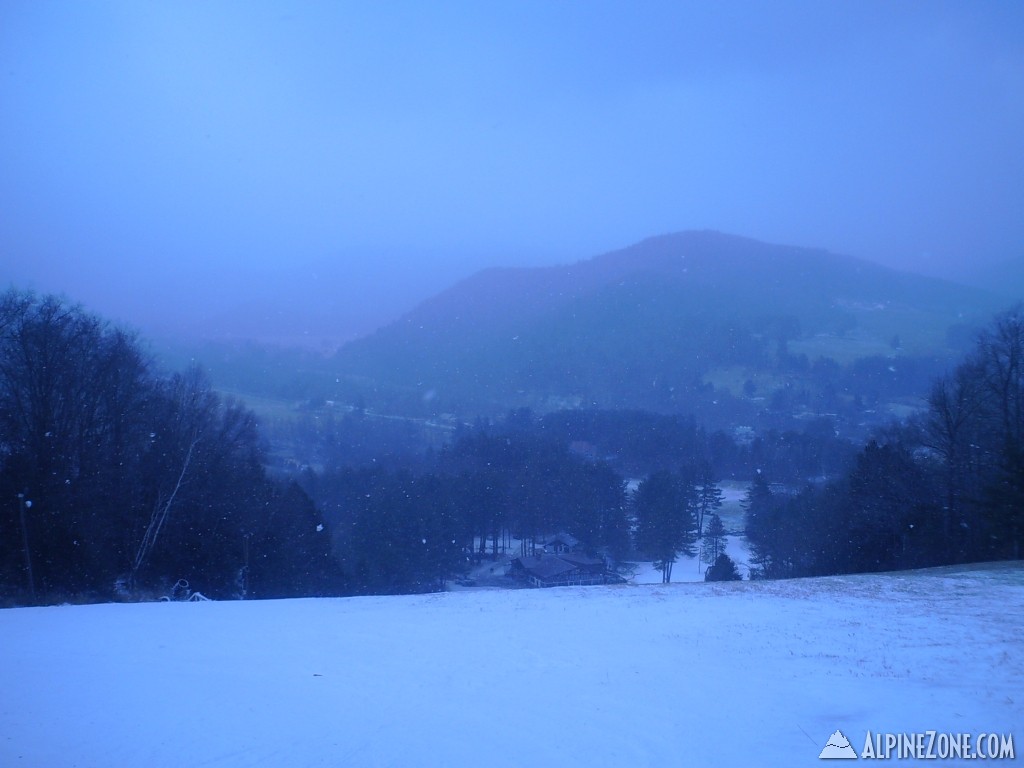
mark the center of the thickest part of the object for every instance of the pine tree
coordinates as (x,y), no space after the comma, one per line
(759,506)
(724,569)
(665,505)
(713,540)
(709,496)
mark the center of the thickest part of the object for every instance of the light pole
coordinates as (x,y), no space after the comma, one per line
(23,505)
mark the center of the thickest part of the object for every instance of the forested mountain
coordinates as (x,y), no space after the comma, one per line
(657,325)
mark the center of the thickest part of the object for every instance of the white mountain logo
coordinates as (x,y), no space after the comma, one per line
(838,748)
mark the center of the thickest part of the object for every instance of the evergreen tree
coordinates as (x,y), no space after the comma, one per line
(713,539)
(891,515)
(665,504)
(709,495)
(723,569)
(759,507)
(289,552)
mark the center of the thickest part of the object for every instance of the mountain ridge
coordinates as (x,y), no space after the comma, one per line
(669,255)
(666,311)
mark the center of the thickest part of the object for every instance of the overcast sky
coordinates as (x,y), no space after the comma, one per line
(167,163)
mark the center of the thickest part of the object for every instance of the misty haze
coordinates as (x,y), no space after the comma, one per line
(621,381)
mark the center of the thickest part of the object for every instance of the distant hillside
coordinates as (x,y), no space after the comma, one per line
(649,326)
(1004,279)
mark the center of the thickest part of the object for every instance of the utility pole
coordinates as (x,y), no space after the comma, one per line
(24,505)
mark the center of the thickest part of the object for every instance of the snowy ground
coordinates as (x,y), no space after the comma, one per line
(734,674)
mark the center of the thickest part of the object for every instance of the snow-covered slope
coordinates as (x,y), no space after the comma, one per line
(690,674)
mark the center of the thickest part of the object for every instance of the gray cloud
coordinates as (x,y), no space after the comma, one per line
(166,163)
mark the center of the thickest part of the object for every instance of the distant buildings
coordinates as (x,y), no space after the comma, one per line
(567,569)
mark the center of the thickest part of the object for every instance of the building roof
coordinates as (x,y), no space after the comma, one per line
(582,561)
(565,539)
(547,567)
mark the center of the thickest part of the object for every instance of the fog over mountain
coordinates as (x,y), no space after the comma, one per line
(656,324)
(309,173)
(501,318)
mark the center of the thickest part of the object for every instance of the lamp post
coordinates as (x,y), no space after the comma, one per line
(24,505)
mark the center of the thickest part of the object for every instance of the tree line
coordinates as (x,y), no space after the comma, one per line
(397,530)
(499,489)
(944,488)
(118,480)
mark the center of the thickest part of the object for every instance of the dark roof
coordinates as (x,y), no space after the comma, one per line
(547,567)
(582,561)
(566,539)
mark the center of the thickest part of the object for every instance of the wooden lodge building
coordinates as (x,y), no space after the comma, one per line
(566,569)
